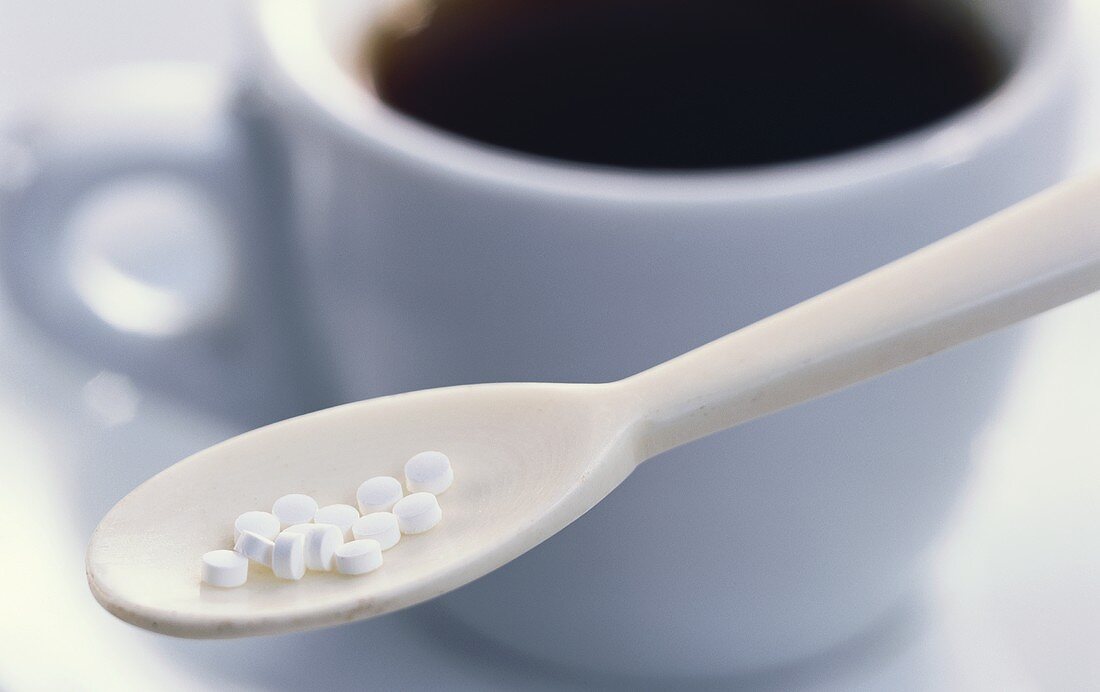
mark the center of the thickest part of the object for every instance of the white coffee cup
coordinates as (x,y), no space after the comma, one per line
(332,249)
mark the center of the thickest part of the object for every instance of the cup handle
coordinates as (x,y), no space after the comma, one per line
(136,227)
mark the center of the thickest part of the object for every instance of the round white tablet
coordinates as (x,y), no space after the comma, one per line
(342,516)
(264,524)
(321,544)
(289,556)
(417,513)
(379,494)
(299,528)
(428,472)
(224,568)
(359,557)
(294,509)
(379,526)
(255,547)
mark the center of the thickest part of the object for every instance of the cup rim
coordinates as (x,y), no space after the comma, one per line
(293,46)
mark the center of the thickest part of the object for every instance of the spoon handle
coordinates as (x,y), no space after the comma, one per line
(1034,256)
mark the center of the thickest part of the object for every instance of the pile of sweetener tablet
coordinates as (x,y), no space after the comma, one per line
(296,535)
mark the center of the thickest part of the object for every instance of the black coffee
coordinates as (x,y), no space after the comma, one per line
(673,84)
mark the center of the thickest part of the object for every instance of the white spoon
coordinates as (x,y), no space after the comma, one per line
(531,458)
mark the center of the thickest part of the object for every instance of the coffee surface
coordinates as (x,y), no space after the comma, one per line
(682,84)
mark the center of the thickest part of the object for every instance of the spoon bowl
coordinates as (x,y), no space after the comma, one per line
(528,459)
